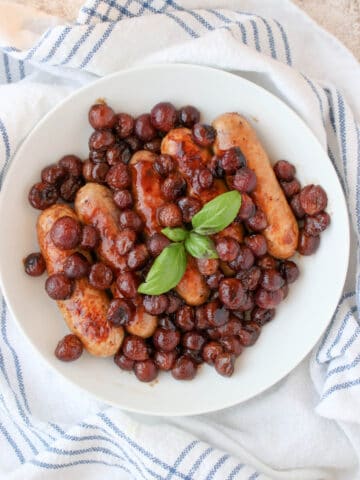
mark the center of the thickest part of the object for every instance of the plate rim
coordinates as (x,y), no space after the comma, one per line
(6,185)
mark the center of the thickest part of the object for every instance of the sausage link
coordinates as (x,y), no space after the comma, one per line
(143,324)
(146,186)
(233,130)
(146,189)
(85,312)
(95,206)
(191,158)
(192,287)
(234,230)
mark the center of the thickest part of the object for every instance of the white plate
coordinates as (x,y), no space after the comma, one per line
(299,321)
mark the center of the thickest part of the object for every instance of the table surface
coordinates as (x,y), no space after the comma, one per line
(340,17)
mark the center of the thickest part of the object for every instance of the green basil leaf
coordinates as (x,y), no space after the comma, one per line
(200,247)
(166,271)
(217,214)
(175,234)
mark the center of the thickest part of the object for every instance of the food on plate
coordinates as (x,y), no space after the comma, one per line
(281,232)
(83,306)
(171,244)
(95,207)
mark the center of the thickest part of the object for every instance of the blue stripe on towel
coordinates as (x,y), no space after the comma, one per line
(243,33)
(78,44)
(342,123)
(235,471)
(19,406)
(340,386)
(6,141)
(38,44)
(254,476)
(19,374)
(58,466)
(97,45)
(82,451)
(227,20)
(9,49)
(217,466)
(286,43)
(256,35)
(128,457)
(316,93)
(182,456)
(17,427)
(271,38)
(139,448)
(199,461)
(194,14)
(357,189)
(343,368)
(340,331)
(7,68)
(270,34)
(57,44)
(87,10)
(85,438)
(335,165)
(322,111)
(11,441)
(21,69)
(91,12)
(325,337)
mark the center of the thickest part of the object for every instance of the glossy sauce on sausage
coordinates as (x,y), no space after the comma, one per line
(148,197)
(282,231)
(95,206)
(146,189)
(191,158)
(85,312)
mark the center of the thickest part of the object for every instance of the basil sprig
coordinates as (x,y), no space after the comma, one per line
(200,246)
(175,234)
(169,267)
(166,271)
(217,214)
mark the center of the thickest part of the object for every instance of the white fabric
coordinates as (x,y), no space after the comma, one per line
(306,426)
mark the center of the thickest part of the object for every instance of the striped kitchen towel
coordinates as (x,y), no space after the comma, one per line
(305,427)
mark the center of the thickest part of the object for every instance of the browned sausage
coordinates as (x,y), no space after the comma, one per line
(85,312)
(143,324)
(233,130)
(192,287)
(146,189)
(148,197)
(95,206)
(190,157)
(234,230)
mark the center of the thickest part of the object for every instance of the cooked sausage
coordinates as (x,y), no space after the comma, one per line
(192,287)
(146,189)
(143,324)
(85,312)
(191,158)
(233,130)
(148,197)
(234,230)
(95,206)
